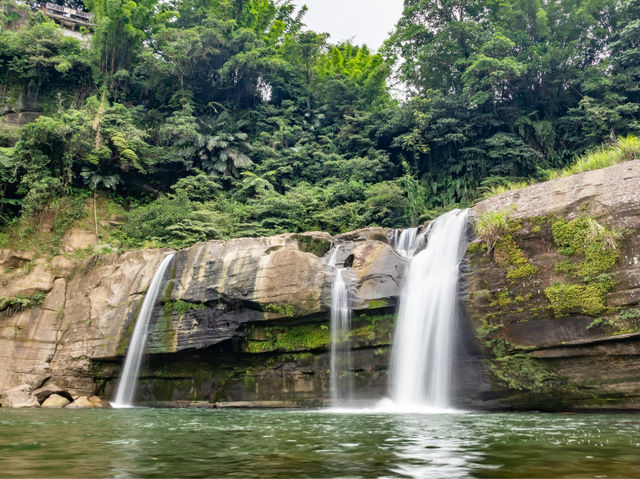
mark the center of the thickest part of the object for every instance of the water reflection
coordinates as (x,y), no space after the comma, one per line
(437,450)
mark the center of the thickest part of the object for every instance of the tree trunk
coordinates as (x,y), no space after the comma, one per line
(98,119)
(95,213)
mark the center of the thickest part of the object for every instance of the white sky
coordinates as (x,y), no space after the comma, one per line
(363,21)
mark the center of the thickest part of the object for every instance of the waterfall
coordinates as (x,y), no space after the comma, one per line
(341,383)
(423,341)
(404,241)
(133,360)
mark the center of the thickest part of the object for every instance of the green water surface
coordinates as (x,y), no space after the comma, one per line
(290,444)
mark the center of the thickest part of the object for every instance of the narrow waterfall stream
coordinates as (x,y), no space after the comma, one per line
(404,241)
(423,340)
(341,383)
(129,379)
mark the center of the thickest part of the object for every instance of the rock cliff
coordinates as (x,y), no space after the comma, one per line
(244,319)
(555,302)
(552,300)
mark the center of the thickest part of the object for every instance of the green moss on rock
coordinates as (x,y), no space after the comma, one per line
(303,337)
(521,372)
(585,238)
(180,307)
(286,310)
(477,247)
(579,298)
(501,298)
(371,329)
(314,245)
(497,232)
(124,342)
(378,303)
(593,251)
(523,271)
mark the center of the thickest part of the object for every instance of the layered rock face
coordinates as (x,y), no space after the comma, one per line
(239,320)
(551,323)
(555,303)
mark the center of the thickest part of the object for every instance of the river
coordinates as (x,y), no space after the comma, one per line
(125,443)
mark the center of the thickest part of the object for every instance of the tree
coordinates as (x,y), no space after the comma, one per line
(92,179)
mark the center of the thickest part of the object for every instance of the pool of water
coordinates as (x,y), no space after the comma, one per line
(126,443)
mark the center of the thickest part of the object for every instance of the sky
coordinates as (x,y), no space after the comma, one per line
(363,21)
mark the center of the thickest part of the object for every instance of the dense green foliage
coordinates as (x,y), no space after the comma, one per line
(222,118)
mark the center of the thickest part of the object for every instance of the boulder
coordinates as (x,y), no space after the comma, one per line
(86,402)
(379,271)
(48,390)
(55,401)
(99,403)
(19,397)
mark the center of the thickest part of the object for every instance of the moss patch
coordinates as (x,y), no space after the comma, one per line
(501,298)
(523,271)
(496,230)
(285,310)
(303,337)
(579,298)
(589,241)
(180,307)
(592,252)
(521,372)
(378,304)
(124,342)
(311,244)
(372,329)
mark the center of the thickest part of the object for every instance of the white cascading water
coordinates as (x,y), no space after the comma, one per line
(129,379)
(341,384)
(404,241)
(423,341)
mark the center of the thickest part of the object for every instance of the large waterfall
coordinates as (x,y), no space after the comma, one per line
(129,378)
(423,341)
(341,383)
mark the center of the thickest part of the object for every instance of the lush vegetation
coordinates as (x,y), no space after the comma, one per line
(223,118)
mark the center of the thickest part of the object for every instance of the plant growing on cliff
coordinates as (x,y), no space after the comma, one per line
(497,231)
(592,252)
(623,149)
(586,298)
(15,304)
(286,310)
(491,226)
(585,237)
(180,307)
